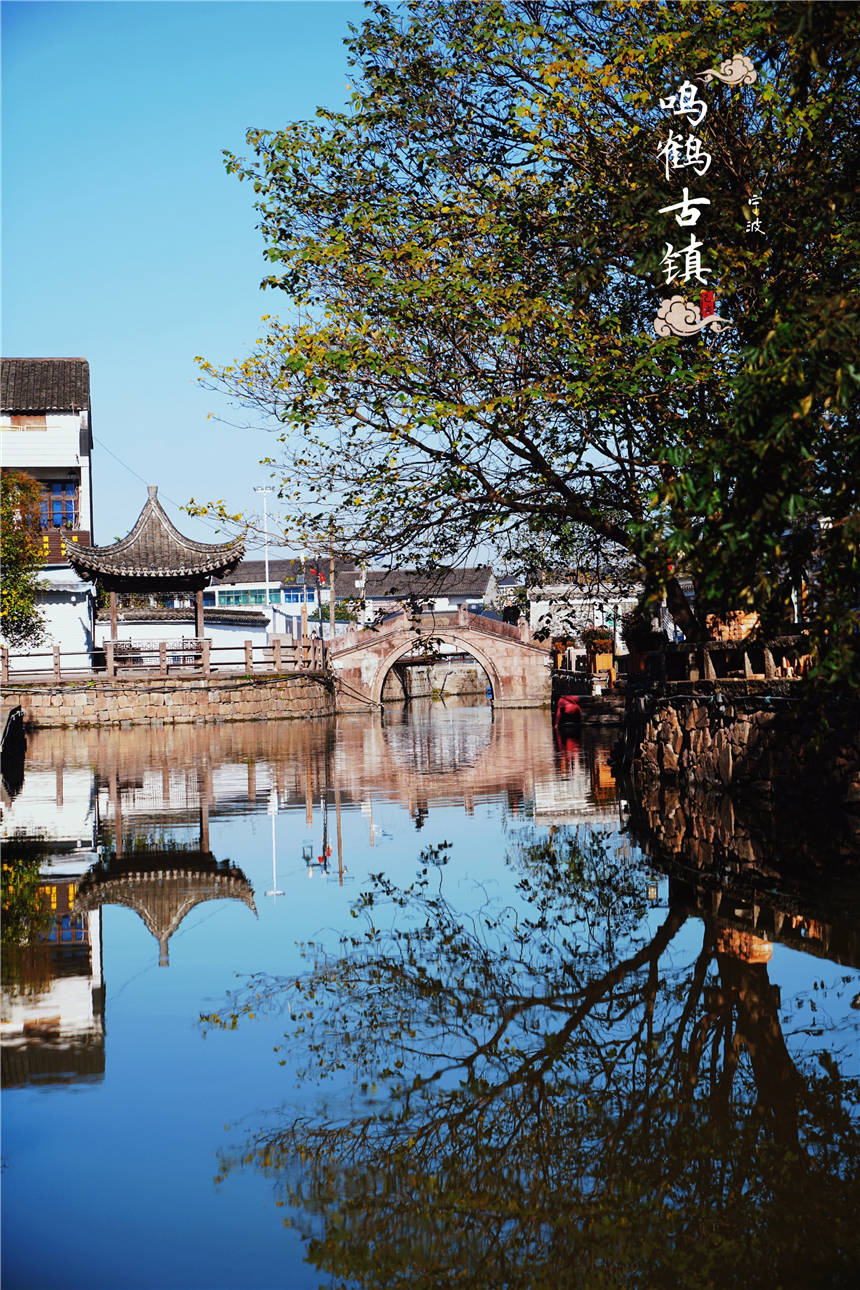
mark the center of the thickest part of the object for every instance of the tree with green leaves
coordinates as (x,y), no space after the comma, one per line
(474,250)
(21,620)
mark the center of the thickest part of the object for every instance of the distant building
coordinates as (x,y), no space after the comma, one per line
(46,432)
(566,608)
(290,583)
(444,589)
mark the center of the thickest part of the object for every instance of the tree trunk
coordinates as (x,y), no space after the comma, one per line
(679,607)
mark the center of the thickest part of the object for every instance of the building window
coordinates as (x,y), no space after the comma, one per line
(59,506)
(254,596)
(209,599)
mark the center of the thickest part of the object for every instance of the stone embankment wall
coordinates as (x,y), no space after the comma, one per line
(170,702)
(756,873)
(758,745)
(422,681)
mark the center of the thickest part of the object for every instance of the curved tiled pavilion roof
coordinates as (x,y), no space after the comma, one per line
(162,887)
(154,553)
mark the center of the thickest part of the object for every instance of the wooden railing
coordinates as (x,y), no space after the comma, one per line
(138,660)
(779,658)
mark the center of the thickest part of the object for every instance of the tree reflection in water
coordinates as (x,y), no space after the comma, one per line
(560,1093)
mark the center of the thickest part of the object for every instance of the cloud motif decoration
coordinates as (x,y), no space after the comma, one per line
(679,317)
(734,71)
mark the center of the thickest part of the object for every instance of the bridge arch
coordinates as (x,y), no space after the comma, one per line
(463,643)
(518,667)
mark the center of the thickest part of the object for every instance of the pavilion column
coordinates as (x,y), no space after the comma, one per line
(198,615)
(113,626)
(117,817)
(204,824)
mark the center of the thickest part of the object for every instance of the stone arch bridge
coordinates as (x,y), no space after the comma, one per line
(517,666)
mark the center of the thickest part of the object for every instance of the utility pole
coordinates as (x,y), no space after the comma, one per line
(265,489)
(331,586)
(304,604)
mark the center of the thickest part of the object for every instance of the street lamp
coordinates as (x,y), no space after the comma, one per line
(272,809)
(265,490)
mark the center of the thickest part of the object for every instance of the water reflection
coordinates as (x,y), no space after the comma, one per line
(162,887)
(120,819)
(576,1089)
(761,875)
(52,1008)
(573,1048)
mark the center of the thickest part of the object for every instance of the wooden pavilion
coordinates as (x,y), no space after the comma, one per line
(155,558)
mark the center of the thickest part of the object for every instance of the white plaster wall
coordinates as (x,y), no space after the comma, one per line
(62,445)
(59,444)
(568,611)
(216,633)
(37,812)
(440,604)
(65,603)
(67,624)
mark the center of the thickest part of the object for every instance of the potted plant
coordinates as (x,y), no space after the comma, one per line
(598,640)
(600,646)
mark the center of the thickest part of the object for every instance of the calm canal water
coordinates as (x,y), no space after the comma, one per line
(404,1001)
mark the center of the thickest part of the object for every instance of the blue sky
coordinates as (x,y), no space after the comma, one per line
(125,241)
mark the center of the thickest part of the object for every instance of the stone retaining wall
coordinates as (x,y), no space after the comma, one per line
(176,701)
(759,745)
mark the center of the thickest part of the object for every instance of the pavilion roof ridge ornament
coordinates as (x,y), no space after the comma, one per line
(154,548)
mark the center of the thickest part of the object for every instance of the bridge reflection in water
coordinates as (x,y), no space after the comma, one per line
(108,807)
(176,825)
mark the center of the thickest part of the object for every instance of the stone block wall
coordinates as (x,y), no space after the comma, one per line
(175,701)
(754,744)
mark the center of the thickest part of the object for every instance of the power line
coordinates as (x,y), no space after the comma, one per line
(216,528)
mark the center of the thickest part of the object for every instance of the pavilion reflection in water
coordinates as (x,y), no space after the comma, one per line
(160,883)
(162,887)
(125,821)
(53,991)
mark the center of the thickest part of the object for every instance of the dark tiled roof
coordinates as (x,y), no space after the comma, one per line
(54,1059)
(44,384)
(399,583)
(155,549)
(347,584)
(285,571)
